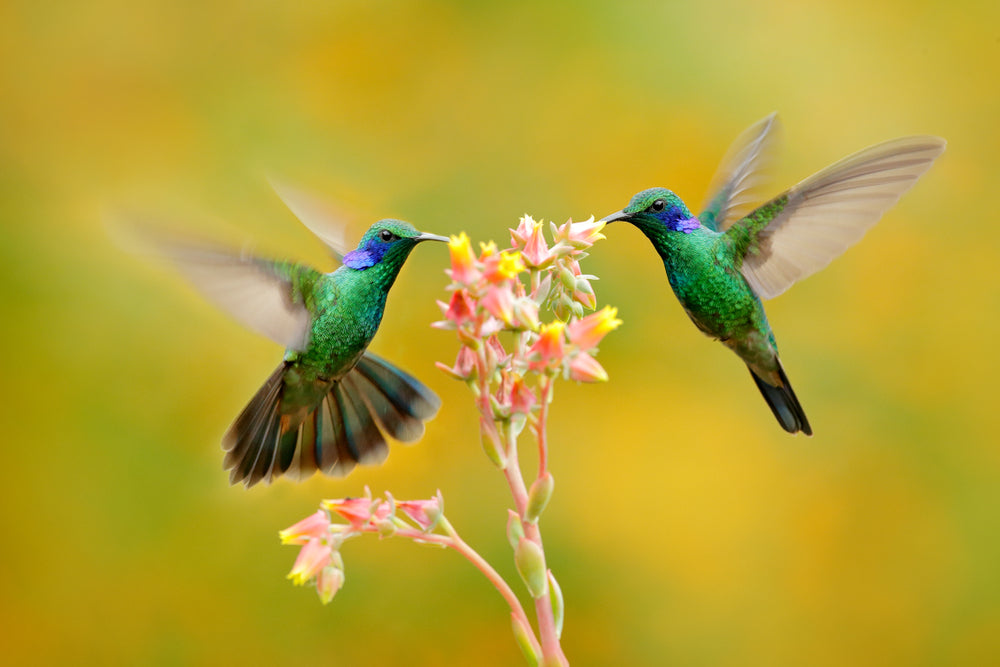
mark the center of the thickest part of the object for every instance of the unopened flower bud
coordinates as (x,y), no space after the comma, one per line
(493,452)
(558,606)
(328,582)
(515,531)
(538,497)
(386,527)
(530,562)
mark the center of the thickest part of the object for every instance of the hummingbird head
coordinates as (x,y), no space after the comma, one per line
(657,209)
(387,241)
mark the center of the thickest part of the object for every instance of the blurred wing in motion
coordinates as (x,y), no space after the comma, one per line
(801,231)
(734,188)
(317,215)
(261,294)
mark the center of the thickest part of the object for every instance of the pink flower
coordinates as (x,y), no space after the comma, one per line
(522,399)
(588,332)
(461,309)
(584,368)
(498,268)
(358,511)
(548,350)
(580,235)
(424,513)
(526,313)
(534,250)
(464,366)
(463,260)
(519,237)
(315,525)
(312,558)
(328,582)
(499,302)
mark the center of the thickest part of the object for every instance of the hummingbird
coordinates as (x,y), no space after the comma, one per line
(329,403)
(724,261)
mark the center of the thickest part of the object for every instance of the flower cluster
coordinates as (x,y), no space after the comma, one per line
(507,290)
(319,561)
(520,318)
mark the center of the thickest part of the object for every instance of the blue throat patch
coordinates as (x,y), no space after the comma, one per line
(366,256)
(686,225)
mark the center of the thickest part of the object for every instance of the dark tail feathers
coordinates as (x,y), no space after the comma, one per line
(783,403)
(343,429)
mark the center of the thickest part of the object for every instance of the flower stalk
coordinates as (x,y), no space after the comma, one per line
(535,296)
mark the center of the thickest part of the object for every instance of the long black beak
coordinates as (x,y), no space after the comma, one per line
(620,215)
(430,237)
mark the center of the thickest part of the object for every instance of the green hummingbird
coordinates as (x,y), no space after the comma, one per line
(721,263)
(328,402)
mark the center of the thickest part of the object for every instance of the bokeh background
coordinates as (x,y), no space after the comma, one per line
(686,528)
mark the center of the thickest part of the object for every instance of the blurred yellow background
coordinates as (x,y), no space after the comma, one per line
(686,527)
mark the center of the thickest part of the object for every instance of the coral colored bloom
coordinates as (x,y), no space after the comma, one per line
(536,251)
(328,582)
(519,237)
(312,558)
(465,364)
(461,309)
(586,333)
(584,368)
(499,302)
(580,234)
(526,313)
(314,525)
(424,513)
(522,399)
(548,350)
(358,511)
(463,260)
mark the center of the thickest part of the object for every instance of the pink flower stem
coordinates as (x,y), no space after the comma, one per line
(552,653)
(452,540)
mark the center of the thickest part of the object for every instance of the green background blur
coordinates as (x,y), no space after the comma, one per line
(686,528)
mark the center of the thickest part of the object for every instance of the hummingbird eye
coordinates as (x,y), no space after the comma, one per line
(658,205)
(386,235)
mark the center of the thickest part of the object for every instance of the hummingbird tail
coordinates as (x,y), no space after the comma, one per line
(783,402)
(343,429)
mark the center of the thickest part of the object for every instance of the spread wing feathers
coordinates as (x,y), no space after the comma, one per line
(829,211)
(260,294)
(317,215)
(346,427)
(735,186)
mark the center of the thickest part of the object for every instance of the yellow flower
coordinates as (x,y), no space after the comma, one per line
(588,332)
(463,260)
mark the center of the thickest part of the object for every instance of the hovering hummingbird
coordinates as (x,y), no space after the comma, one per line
(329,400)
(721,263)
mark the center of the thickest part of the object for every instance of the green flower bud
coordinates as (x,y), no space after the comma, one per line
(538,497)
(515,531)
(558,606)
(530,562)
(493,452)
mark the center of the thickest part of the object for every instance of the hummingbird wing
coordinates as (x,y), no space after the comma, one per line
(317,215)
(734,188)
(263,295)
(804,229)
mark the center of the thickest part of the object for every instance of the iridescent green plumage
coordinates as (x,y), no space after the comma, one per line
(723,262)
(327,405)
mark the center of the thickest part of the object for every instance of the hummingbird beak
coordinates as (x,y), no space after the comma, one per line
(430,237)
(620,215)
